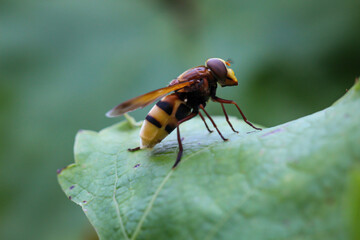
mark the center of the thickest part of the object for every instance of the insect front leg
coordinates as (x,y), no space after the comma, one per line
(178,158)
(220,100)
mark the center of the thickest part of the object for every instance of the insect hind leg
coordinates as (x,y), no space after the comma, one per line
(133,149)
(178,158)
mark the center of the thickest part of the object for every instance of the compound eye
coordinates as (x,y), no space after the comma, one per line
(217,67)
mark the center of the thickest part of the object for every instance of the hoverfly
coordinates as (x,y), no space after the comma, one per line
(191,91)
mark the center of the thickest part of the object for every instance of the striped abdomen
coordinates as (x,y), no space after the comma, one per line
(162,120)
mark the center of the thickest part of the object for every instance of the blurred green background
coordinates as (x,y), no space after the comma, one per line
(64,63)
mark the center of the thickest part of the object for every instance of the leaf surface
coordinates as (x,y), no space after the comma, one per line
(285,182)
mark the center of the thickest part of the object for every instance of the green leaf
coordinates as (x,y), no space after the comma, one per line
(285,182)
(352,203)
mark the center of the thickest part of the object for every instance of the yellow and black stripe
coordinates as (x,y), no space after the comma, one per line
(162,120)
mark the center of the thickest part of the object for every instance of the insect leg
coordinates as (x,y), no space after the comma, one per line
(133,149)
(212,121)
(178,158)
(210,131)
(220,100)
(227,118)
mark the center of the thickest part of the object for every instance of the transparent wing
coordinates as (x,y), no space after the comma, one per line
(145,99)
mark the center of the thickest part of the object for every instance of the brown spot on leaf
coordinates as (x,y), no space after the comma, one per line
(273,131)
(60,170)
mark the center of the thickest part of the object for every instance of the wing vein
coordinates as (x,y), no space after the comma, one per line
(145,99)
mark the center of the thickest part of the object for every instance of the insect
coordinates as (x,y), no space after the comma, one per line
(191,91)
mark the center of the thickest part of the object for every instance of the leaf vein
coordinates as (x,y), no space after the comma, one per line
(148,208)
(231,213)
(116,202)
